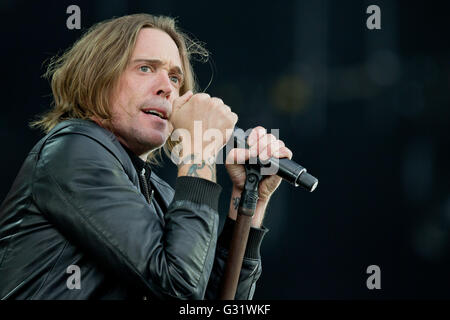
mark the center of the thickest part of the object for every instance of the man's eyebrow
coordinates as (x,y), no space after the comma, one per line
(158,62)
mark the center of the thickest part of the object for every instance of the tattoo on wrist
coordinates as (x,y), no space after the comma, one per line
(196,163)
(212,166)
(192,172)
(191,158)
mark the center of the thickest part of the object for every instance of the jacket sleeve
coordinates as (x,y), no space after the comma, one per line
(82,188)
(251,264)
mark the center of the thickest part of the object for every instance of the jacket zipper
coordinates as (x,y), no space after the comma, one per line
(144,182)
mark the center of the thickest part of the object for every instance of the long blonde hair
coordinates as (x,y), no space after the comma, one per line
(83,77)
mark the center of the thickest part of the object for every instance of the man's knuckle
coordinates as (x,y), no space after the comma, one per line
(201,96)
(217,100)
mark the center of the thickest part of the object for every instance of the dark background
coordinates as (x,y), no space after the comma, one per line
(366,111)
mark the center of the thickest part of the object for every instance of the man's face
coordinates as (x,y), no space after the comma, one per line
(148,86)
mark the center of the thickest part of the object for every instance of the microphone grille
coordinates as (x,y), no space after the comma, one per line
(307,181)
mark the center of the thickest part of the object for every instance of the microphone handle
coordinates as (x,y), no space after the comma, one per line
(287,169)
(293,173)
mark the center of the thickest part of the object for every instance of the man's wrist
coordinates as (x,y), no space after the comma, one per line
(260,209)
(194,165)
(236,192)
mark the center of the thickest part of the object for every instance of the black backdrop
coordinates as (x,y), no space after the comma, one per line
(366,111)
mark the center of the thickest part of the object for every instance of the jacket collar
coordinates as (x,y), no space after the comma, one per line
(138,163)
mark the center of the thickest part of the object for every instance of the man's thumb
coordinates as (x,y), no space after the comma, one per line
(178,102)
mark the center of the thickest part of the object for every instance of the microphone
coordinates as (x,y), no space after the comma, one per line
(287,169)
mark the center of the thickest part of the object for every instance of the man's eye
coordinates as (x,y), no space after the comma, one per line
(175,79)
(145,69)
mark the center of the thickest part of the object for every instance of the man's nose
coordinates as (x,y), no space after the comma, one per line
(163,86)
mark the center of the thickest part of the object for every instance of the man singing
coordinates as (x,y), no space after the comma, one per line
(86,218)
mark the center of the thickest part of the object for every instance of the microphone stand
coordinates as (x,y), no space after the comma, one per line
(288,170)
(246,210)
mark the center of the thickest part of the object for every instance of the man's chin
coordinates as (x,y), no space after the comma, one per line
(157,140)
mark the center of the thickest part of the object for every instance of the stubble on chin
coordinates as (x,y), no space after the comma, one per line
(146,141)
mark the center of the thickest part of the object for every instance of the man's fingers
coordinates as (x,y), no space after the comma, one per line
(276,150)
(264,142)
(255,135)
(283,152)
(237,156)
(217,101)
(271,149)
(178,102)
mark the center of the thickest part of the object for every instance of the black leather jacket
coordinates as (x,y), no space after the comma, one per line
(77,200)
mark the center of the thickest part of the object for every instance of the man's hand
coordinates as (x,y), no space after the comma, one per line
(212,122)
(264,146)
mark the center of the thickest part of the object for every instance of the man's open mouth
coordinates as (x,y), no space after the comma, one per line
(155,113)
